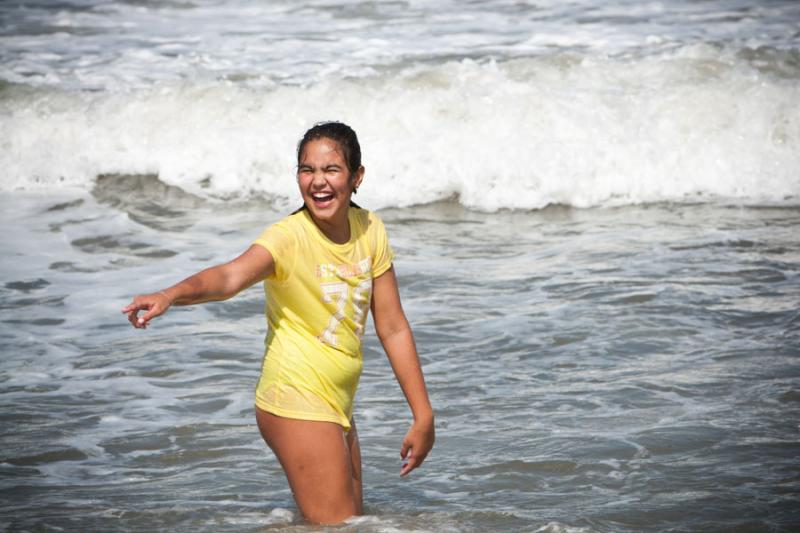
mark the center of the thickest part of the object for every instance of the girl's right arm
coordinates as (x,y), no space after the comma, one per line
(212,284)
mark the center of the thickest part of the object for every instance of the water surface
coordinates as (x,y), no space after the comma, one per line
(617,369)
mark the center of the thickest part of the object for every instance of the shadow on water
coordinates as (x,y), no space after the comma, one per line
(157,205)
(148,200)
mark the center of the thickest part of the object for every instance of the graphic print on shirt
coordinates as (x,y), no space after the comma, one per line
(340,292)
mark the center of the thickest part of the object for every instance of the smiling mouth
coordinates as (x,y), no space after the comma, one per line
(321,197)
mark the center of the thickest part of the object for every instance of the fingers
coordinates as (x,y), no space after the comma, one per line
(154,305)
(408,464)
(130,308)
(413,451)
(404,448)
(153,312)
(133,319)
(411,462)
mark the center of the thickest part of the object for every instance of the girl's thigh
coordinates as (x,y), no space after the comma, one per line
(317,458)
(355,464)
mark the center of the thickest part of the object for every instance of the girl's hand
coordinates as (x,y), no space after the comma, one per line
(155,304)
(416,445)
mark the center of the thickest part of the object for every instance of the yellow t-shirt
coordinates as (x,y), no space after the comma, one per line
(317,305)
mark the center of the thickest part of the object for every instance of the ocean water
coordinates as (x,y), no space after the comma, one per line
(595,208)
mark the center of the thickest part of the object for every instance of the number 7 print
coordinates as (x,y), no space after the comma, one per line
(336,292)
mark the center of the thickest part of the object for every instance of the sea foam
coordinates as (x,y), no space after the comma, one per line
(696,124)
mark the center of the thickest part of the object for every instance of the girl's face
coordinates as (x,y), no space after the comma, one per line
(325,181)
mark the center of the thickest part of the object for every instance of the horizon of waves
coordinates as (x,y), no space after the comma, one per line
(701,124)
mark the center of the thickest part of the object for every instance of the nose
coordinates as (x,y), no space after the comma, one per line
(318,178)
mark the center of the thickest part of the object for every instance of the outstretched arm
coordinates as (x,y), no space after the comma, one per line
(398,342)
(215,283)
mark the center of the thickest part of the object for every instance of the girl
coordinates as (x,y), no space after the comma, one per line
(322,267)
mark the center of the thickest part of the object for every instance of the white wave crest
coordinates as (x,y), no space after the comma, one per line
(698,124)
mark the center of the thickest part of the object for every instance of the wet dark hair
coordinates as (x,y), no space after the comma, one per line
(344,136)
(341,134)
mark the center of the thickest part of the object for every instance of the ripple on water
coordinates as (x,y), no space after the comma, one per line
(27,286)
(517,466)
(71,267)
(634,299)
(64,454)
(36,321)
(63,206)
(200,407)
(44,301)
(583,449)
(791,396)
(120,245)
(136,443)
(679,439)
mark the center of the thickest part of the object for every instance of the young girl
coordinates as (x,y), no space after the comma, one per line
(322,268)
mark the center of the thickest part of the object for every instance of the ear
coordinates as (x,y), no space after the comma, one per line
(358,177)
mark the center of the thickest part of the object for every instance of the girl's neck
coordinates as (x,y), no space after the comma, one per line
(337,232)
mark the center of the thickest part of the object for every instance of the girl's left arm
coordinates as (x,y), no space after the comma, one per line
(398,342)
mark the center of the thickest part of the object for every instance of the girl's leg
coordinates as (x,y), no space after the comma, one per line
(355,462)
(318,462)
